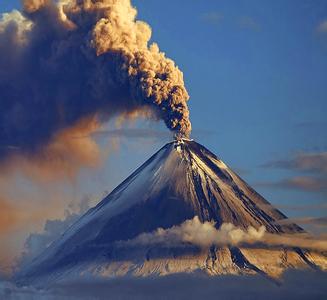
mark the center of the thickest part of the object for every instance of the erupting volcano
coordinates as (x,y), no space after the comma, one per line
(183,184)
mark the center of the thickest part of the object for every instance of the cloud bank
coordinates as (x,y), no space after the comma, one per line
(297,285)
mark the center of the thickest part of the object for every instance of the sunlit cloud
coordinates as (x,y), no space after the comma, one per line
(62,158)
(206,234)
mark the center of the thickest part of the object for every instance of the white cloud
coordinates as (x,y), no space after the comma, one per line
(201,234)
(206,234)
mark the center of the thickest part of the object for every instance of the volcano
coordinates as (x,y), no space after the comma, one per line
(181,181)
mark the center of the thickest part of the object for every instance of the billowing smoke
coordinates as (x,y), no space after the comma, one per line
(69,61)
(206,234)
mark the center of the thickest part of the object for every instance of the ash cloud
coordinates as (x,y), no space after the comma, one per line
(133,133)
(62,158)
(68,62)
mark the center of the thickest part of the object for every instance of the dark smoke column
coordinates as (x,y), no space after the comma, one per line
(65,62)
(153,78)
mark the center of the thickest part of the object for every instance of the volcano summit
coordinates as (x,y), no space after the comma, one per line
(180,192)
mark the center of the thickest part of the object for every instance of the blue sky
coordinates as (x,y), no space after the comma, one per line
(256,74)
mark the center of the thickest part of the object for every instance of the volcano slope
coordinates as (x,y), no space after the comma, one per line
(181,181)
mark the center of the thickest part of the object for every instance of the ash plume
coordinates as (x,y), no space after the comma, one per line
(65,62)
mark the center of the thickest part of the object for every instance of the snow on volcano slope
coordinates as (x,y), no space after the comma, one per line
(182,180)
